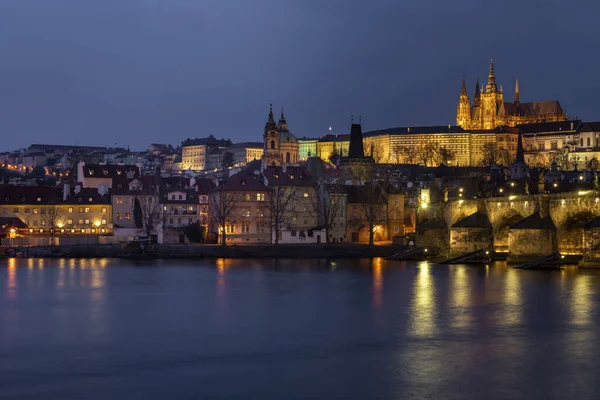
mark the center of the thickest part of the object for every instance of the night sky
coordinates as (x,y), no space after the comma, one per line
(133,72)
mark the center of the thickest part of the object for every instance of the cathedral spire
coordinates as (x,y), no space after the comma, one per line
(520,155)
(282,118)
(517,94)
(491,86)
(463,91)
(477,96)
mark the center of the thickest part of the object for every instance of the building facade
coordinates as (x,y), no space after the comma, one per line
(280,146)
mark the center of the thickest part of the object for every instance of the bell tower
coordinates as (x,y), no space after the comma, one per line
(271,142)
(463,111)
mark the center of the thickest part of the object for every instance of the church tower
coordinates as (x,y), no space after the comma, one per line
(517,94)
(463,112)
(271,142)
(490,101)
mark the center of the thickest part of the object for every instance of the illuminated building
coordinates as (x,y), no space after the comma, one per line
(280,145)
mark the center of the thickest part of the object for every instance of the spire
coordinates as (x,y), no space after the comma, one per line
(463,91)
(517,94)
(520,156)
(477,96)
(282,118)
(271,118)
(491,86)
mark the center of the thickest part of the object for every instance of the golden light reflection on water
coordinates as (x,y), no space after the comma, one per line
(222,265)
(512,311)
(460,297)
(377,282)
(582,300)
(11,283)
(423,303)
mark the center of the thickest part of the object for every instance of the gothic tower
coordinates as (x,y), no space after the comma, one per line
(517,94)
(490,101)
(463,112)
(271,142)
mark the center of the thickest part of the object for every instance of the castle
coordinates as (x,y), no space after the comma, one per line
(280,145)
(489,110)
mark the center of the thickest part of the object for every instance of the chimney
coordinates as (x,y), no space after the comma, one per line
(283,168)
(572,125)
(80,176)
(66,191)
(77,188)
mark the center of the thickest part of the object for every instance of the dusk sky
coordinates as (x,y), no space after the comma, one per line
(133,72)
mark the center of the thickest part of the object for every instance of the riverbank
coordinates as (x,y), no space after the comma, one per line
(339,250)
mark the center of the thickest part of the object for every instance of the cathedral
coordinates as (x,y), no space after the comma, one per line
(280,145)
(489,109)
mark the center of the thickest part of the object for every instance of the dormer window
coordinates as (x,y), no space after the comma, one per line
(105,172)
(39,199)
(79,199)
(91,172)
(23,198)
(291,176)
(119,172)
(90,199)
(243,183)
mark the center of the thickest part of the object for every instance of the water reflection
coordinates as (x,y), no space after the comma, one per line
(377,266)
(423,311)
(512,306)
(460,292)
(11,283)
(222,265)
(582,300)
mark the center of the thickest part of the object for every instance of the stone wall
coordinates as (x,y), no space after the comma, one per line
(464,240)
(531,243)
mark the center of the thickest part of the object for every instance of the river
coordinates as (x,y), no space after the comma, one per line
(295,329)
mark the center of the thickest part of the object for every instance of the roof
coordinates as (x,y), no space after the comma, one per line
(330,137)
(476,220)
(535,221)
(109,171)
(532,109)
(245,180)
(362,194)
(550,126)
(204,185)
(590,127)
(7,223)
(287,136)
(42,195)
(191,196)
(416,130)
(293,176)
(53,147)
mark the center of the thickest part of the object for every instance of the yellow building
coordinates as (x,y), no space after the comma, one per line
(333,143)
(280,145)
(54,213)
(489,109)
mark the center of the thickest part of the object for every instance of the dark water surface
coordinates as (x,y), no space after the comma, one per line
(295,329)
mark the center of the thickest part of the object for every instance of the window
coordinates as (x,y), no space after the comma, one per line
(247,196)
(260,197)
(191,208)
(103,210)
(180,197)
(260,228)
(396,201)
(170,220)
(229,228)
(172,197)
(541,146)
(190,221)
(103,222)
(43,223)
(70,209)
(69,222)
(179,220)
(16,210)
(588,142)
(119,200)
(80,222)
(554,146)
(272,145)
(245,212)
(26,210)
(35,222)
(293,233)
(119,216)
(260,212)
(87,209)
(36,210)
(245,228)
(87,221)
(127,215)
(90,199)
(305,194)
(81,209)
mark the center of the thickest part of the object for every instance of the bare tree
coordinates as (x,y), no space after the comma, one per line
(52,218)
(562,160)
(281,204)
(222,206)
(372,208)
(445,155)
(409,154)
(491,154)
(329,205)
(426,151)
(592,164)
(374,150)
(151,213)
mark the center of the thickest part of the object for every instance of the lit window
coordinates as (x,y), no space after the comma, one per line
(119,200)
(87,221)
(39,199)
(87,209)
(90,199)
(305,194)
(260,197)
(119,216)
(69,222)
(70,209)
(80,222)
(36,211)
(103,210)
(103,222)
(127,216)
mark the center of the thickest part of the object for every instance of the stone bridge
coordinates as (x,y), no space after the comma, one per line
(569,213)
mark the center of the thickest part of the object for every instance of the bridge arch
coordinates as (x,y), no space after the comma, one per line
(569,233)
(501,230)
